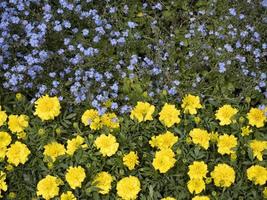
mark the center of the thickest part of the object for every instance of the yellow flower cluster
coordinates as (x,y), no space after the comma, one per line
(163,141)
(67,196)
(169,115)
(257,174)
(142,112)
(103,182)
(17,123)
(107,144)
(197,172)
(226,144)
(47,108)
(92,118)
(164,160)
(200,137)
(130,160)
(128,188)
(190,104)
(75,176)
(223,175)
(3,185)
(256,117)
(5,140)
(225,114)
(48,187)
(74,144)
(54,150)
(258,147)
(3,116)
(17,153)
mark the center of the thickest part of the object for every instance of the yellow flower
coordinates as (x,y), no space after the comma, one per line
(196,185)
(54,150)
(2,153)
(74,144)
(5,139)
(142,112)
(47,108)
(110,120)
(169,115)
(245,131)
(223,175)
(190,104)
(164,160)
(257,174)
(225,114)
(17,123)
(48,187)
(3,117)
(256,117)
(197,170)
(163,141)
(91,118)
(201,198)
(75,176)
(226,143)
(103,182)
(200,137)
(130,160)
(3,185)
(107,144)
(17,153)
(128,188)
(168,198)
(258,147)
(68,196)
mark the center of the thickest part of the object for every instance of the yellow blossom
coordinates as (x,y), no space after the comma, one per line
(54,150)
(169,115)
(3,116)
(3,185)
(128,188)
(110,120)
(190,104)
(91,118)
(225,114)
(48,187)
(223,175)
(47,108)
(256,117)
(257,174)
(5,139)
(163,141)
(258,147)
(226,144)
(198,170)
(74,144)
(200,137)
(245,131)
(103,182)
(75,176)
(68,196)
(196,185)
(130,160)
(142,112)
(164,160)
(17,153)
(106,144)
(17,123)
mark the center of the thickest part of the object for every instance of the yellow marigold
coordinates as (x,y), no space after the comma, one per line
(3,153)
(91,118)
(130,160)
(3,185)
(200,137)
(163,141)
(258,147)
(17,123)
(168,198)
(256,117)
(196,185)
(128,188)
(110,120)
(106,144)
(245,131)
(190,104)
(169,115)
(225,114)
(103,182)
(257,174)
(54,150)
(164,160)
(142,111)
(74,144)
(47,108)
(17,153)
(5,139)
(3,117)
(48,187)
(68,196)
(197,170)
(75,176)
(223,175)
(226,144)
(201,198)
